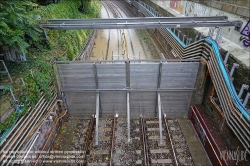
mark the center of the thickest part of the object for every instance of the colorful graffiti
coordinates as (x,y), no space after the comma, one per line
(176,5)
(246,35)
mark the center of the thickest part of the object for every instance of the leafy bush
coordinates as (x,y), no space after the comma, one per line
(64,45)
(17,25)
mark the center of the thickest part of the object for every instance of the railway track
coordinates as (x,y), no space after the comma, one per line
(123,41)
(101,154)
(172,151)
(141,33)
(143,149)
(107,8)
(21,131)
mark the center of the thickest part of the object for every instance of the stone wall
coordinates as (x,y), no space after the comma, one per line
(239,7)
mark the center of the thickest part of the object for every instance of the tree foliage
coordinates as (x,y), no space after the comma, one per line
(18,29)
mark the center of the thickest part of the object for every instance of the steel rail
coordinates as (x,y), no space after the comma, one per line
(18,132)
(144,142)
(15,140)
(17,127)
(28,128)
(112,142)
(107,8)
(58,119)
(172,146)
(129,35)
(152,33)
(128,12)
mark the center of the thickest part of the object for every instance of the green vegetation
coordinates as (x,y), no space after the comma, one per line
(70,41)
(37,71)
(144,35)
(16,24)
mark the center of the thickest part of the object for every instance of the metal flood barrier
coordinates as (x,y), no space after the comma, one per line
(81,81)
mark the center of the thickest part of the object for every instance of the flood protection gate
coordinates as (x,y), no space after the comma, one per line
(114,87)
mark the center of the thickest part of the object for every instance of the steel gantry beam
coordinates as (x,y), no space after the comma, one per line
(138,22)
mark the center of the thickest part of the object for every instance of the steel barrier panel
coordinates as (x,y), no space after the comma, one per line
(113,102)
(77,75)
(81,103)
(179,75)
(176,102)
(142,103)
(77,78)
(144,76)
(111,76)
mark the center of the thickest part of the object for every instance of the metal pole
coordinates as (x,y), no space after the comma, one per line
(22,81)
(226,58)
(6,69)
(12,94)
(243,86)
(128,116)
(160,120)
(183,38)
(201,35)
(97,119)
(196,37)
(38,133)
(246,99)
(235,65)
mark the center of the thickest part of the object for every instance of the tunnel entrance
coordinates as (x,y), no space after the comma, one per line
(112,86)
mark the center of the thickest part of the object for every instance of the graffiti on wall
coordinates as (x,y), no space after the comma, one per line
(200,10)
(246,35)
(176,5)
(195,9)
(189,8)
